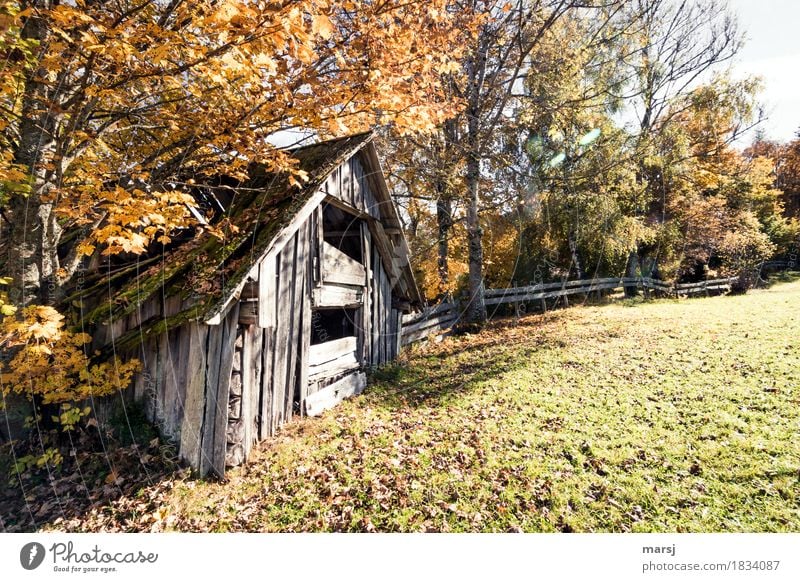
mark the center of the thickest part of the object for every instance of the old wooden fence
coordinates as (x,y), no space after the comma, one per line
(442,317)
(432,320)
(585,287)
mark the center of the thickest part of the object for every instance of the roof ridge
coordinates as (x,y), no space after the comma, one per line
(370,133)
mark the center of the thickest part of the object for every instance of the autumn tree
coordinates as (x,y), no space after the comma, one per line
(110,111)
(722,203)
(487,136)
(786,158)
(673,45)
(579,172)
(425,172)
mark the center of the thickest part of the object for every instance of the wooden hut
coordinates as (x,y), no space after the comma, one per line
(279,316)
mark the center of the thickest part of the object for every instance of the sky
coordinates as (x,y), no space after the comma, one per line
(772,52)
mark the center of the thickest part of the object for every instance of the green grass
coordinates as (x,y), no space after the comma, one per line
(659,416)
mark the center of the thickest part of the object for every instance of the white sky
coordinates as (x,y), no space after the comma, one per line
(772,52)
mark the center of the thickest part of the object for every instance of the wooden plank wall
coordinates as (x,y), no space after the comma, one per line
(184,388)
(285,318)
(220,351)
(384,326)
(350,184)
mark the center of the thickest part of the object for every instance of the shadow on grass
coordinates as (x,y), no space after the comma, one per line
(430,378)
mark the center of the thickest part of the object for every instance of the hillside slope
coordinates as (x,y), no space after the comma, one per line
(661,416)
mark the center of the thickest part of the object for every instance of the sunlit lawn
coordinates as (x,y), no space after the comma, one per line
(660,416)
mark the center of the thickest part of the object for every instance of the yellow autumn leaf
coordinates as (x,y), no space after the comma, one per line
(322,26)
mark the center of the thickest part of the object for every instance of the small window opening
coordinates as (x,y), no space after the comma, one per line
(343,231)
(332,324)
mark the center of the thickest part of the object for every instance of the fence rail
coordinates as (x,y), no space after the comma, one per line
(704,286)
(432,320)
(442,317)
(562,289)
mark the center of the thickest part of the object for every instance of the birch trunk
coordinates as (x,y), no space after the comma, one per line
(34,233)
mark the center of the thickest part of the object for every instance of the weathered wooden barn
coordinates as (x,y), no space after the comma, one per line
(279,318)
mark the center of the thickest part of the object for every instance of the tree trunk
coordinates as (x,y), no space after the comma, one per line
(444,200)
(444,222)
(33,235)
(476,307)
(631,270)
(576,259)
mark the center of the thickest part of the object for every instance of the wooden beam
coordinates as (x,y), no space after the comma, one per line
(344,363)
(195,399)
(296,339)
(330,396)
(341,233)
(337,296)
(328,351)
(366,314)
(305,321)
(282,336)
(337,267)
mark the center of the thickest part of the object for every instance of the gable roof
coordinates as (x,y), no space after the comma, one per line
(207,273)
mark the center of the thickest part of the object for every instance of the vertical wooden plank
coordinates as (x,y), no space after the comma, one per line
(252,389)
(397,332)
(144,354)
(155,381)
(268,280)
(366,313)
(316,246)
(381,316)
(215,423)
(216,335)
(390,336)
(248,364)
(369,197)
(355,171)
(390,314)
(305,331)
(220,429)
(334,184)
(283,331)
(295,338)
(194,400)
(344,182)
(165,382)
(267,384)
(386,314)
(266,291)
(173,399)
(347,190)
(182,356)
(373,311)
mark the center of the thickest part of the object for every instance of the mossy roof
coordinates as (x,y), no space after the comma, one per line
(200,267)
